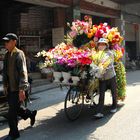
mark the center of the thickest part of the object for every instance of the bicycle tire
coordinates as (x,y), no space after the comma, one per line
(76,98)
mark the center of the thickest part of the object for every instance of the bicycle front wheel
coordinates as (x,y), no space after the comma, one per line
(74,102)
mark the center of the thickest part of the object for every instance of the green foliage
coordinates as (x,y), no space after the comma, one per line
(80,40)
(76,71)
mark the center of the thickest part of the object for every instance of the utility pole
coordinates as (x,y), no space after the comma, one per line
(123,34)
(76,9)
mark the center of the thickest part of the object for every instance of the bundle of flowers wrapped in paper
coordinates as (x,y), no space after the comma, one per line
(121,81)
(120,72)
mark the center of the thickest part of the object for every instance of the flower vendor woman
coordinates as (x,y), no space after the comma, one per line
(107,79)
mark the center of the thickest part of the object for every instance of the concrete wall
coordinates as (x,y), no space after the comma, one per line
(106,3)
(130,34)
(131,13)
(118,24)
(133,9)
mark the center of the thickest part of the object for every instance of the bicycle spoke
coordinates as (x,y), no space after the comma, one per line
(73,104)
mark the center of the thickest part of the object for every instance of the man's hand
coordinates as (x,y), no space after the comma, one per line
(22,96)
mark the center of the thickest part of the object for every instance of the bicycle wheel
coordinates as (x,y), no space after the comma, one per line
(74,102)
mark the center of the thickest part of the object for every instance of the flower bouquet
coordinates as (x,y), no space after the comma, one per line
(121,81)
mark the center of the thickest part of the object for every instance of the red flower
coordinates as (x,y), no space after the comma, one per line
(123,50)
(77,53)
(95,25)
(116,36)
(114,40)
(109,27)
(99,33)
(104,29)
(101,24)
(85,61)
(86,18)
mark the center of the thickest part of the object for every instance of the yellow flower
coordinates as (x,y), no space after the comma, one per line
(106,63)
(110,36)
(94,29)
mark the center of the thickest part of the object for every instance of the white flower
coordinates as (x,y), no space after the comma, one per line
(68,24)
(38,54)
(83,75)
(105,24)
(81,32)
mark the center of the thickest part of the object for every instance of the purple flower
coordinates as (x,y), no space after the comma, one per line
(71,62)
(116,47)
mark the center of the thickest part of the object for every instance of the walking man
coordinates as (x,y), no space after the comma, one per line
(15,80)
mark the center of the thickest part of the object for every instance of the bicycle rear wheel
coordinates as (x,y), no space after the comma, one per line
(74,102)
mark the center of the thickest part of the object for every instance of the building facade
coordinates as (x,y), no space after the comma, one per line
(42,24)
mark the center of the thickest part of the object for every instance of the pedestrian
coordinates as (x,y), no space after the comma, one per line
(107,79)
(15,81)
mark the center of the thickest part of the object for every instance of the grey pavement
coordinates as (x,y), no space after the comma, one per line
(52,124)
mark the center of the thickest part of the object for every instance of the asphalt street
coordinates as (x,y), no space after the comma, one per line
(51,123)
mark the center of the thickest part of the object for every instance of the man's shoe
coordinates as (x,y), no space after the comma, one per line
(33,115)
(11,138)
(99,115)
(113,110)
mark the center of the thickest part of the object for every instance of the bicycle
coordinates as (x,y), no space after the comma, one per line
(76,96)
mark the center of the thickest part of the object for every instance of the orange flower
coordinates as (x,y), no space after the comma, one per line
(90,35)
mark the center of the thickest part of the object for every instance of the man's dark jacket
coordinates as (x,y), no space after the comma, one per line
(15,75)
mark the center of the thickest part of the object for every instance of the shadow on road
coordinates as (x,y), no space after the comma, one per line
(59,128)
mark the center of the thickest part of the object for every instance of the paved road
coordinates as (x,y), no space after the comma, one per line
(51,123)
